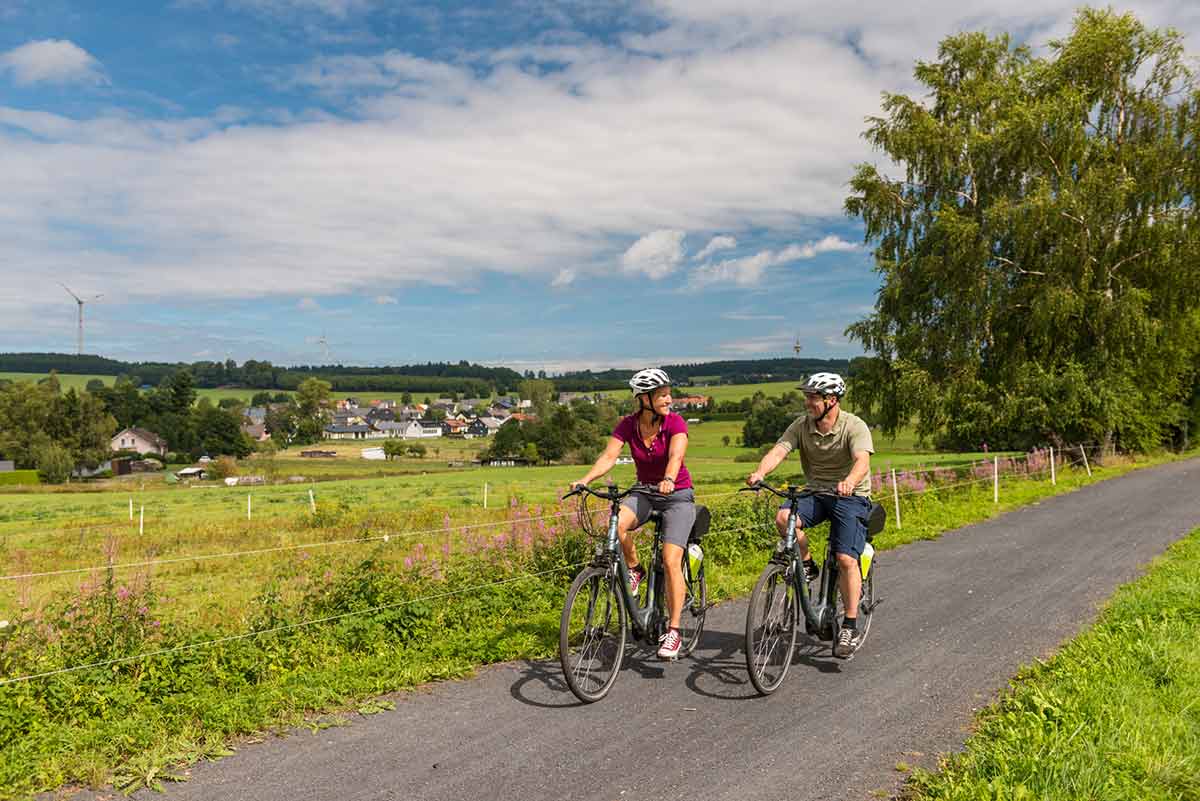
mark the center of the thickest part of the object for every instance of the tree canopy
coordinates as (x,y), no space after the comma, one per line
(1039,256)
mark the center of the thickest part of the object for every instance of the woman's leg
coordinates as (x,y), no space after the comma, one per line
(626,521)
(676,586)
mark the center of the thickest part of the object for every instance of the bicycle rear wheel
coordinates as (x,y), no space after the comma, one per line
(591,634)
(695,607)
(771,628)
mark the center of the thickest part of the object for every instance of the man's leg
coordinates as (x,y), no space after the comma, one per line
(848,533)
(781,519)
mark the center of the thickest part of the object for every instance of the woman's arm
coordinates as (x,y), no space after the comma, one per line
(605,461)
(678,448)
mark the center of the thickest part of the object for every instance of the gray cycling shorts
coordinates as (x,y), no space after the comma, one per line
(678,512)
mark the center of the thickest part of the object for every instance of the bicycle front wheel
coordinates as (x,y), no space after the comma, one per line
(591,635)
(695,607)
(771,629)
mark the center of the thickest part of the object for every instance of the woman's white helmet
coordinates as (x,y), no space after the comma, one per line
(824,384)
(648,380)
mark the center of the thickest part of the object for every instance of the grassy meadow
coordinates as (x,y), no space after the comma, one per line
(367,560)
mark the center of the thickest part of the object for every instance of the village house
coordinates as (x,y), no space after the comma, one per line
(352,431)
(140,440)
(689,402)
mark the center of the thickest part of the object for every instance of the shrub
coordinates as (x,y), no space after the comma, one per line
(222,468)
(54,463)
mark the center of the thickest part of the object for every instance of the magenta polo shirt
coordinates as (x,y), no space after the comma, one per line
(652,462)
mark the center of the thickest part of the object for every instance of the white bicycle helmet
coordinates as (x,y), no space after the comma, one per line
(824,384)
(648,380)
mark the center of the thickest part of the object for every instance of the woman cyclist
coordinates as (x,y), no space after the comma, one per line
(657,439)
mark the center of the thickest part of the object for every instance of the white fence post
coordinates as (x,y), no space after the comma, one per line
(247,506)
(995,479)
(896,498)
(485,489)
(312,502)
(1088,467)
(130,508)
(1053,478)
(142,519)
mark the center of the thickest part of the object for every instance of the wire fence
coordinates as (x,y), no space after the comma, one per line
(1036,464)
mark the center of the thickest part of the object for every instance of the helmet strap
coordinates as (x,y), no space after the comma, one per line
(828,407)
(648,407)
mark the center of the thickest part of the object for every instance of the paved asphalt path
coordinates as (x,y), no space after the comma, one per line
(959,616)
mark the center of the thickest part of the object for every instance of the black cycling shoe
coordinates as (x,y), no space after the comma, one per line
(811,571)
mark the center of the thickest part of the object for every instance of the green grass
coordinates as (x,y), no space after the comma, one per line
(130,725)
(1115,714)
(14,478)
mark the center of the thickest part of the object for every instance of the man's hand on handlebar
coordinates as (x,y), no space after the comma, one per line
(754,478)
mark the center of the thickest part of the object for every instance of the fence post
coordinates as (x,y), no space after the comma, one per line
(130,508)
(485,489)
(1053,478)
(247,506)
(896,498)
(312,502)
(1083,453)
(142,519)
(995,479)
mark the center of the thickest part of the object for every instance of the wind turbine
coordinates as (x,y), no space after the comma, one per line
(324,343)
(79,301)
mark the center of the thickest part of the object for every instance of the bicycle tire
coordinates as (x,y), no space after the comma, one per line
(695,607)
(591,634)
(771,628)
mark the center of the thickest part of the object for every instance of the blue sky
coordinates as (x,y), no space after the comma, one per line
(557,185)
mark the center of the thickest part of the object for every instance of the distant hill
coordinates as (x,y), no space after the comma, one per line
(462,377)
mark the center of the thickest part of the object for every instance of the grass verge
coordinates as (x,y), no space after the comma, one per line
(1113,715)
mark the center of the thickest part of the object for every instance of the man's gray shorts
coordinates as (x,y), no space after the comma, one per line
(678,512)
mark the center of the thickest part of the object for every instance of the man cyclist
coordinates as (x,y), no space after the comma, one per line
(657,440)
(835,451)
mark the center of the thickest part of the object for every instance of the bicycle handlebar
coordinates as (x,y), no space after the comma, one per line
(791,493)
(613,493)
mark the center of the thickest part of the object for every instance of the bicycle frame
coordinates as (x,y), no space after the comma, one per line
(819,613)
(643,620)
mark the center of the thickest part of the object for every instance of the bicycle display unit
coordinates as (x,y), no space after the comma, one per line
(782,597)
(600,612)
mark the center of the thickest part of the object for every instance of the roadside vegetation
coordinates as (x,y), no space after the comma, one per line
(1114,714)
(305,635)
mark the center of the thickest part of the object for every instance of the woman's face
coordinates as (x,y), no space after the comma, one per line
(660,400)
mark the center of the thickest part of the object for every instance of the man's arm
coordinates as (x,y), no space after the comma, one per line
(862,466)
(770,461)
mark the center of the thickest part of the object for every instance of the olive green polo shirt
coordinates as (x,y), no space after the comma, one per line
(828,458)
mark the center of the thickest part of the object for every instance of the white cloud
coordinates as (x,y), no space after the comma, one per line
(334,8)
(564,278)
(755,346)
(751,316)
(51,61)
(434,172)
(715,244)
(385,300)
(829,244)
(655,255)
(749,270)
(308,304)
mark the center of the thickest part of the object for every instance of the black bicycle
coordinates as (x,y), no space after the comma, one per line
(600,609)
(782,597)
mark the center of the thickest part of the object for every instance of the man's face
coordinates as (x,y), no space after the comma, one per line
(815,403)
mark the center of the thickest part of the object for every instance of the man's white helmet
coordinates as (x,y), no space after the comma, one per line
(824,384)
(648,380)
